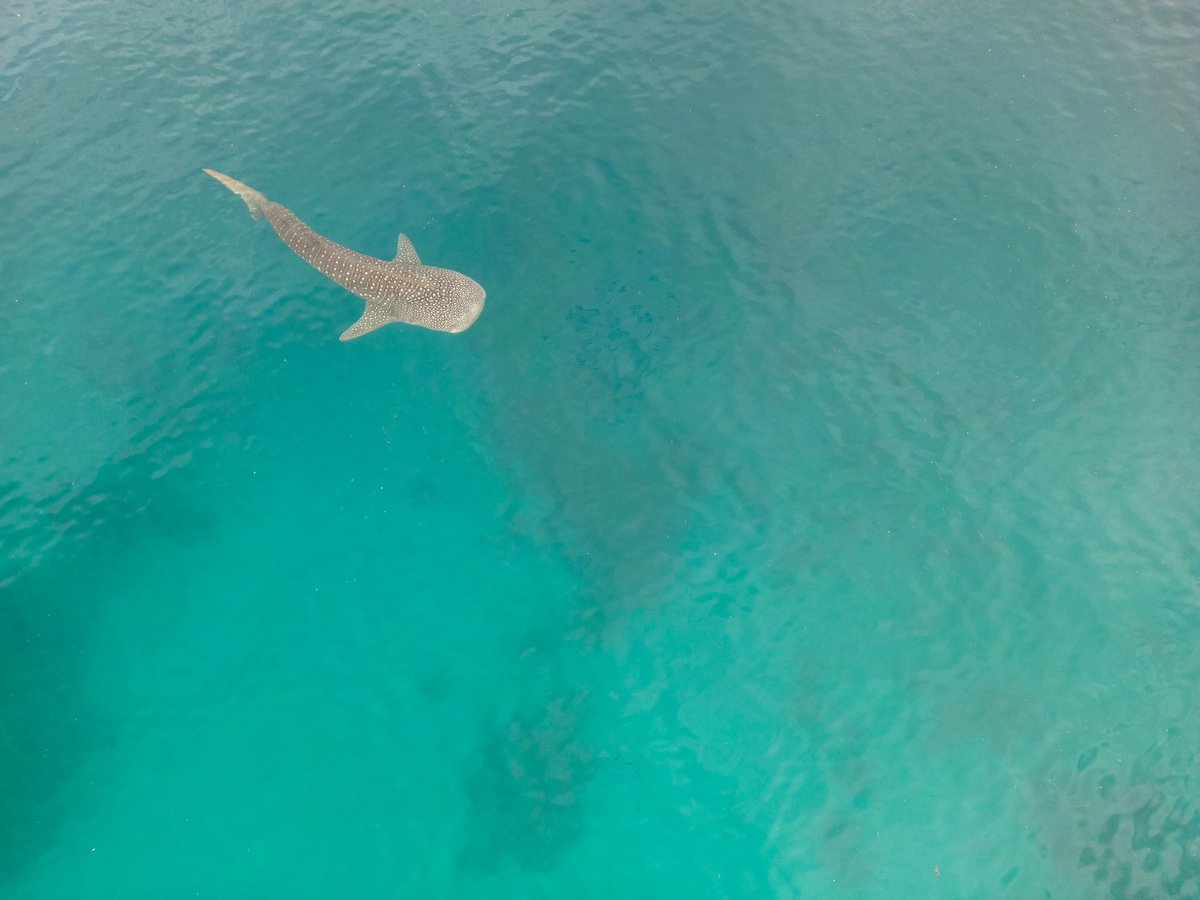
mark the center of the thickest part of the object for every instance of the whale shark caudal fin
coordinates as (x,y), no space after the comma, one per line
(406,253)
(256,201)
(373,317)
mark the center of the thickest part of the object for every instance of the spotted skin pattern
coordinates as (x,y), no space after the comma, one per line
(396,290)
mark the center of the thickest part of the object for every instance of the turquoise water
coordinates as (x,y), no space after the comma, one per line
(814,511)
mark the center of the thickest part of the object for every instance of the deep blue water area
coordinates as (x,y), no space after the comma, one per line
(813,511)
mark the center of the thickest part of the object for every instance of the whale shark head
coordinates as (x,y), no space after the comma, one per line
(468,301)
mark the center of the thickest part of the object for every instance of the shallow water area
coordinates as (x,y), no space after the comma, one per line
(811,512)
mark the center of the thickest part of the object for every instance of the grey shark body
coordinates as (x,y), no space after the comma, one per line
(396,290)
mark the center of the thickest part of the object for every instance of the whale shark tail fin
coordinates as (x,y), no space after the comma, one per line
(256,201)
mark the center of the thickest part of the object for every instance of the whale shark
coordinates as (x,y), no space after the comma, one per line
(395,290)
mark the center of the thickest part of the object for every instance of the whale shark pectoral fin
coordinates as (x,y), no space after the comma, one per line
(373,317)
(406,253)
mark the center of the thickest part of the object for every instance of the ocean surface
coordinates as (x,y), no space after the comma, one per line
(814,510)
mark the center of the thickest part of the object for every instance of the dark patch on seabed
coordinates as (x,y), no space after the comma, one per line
(47,727)
(527,788)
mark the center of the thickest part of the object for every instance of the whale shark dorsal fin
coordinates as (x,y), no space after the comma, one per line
(406,253)
(373,317)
